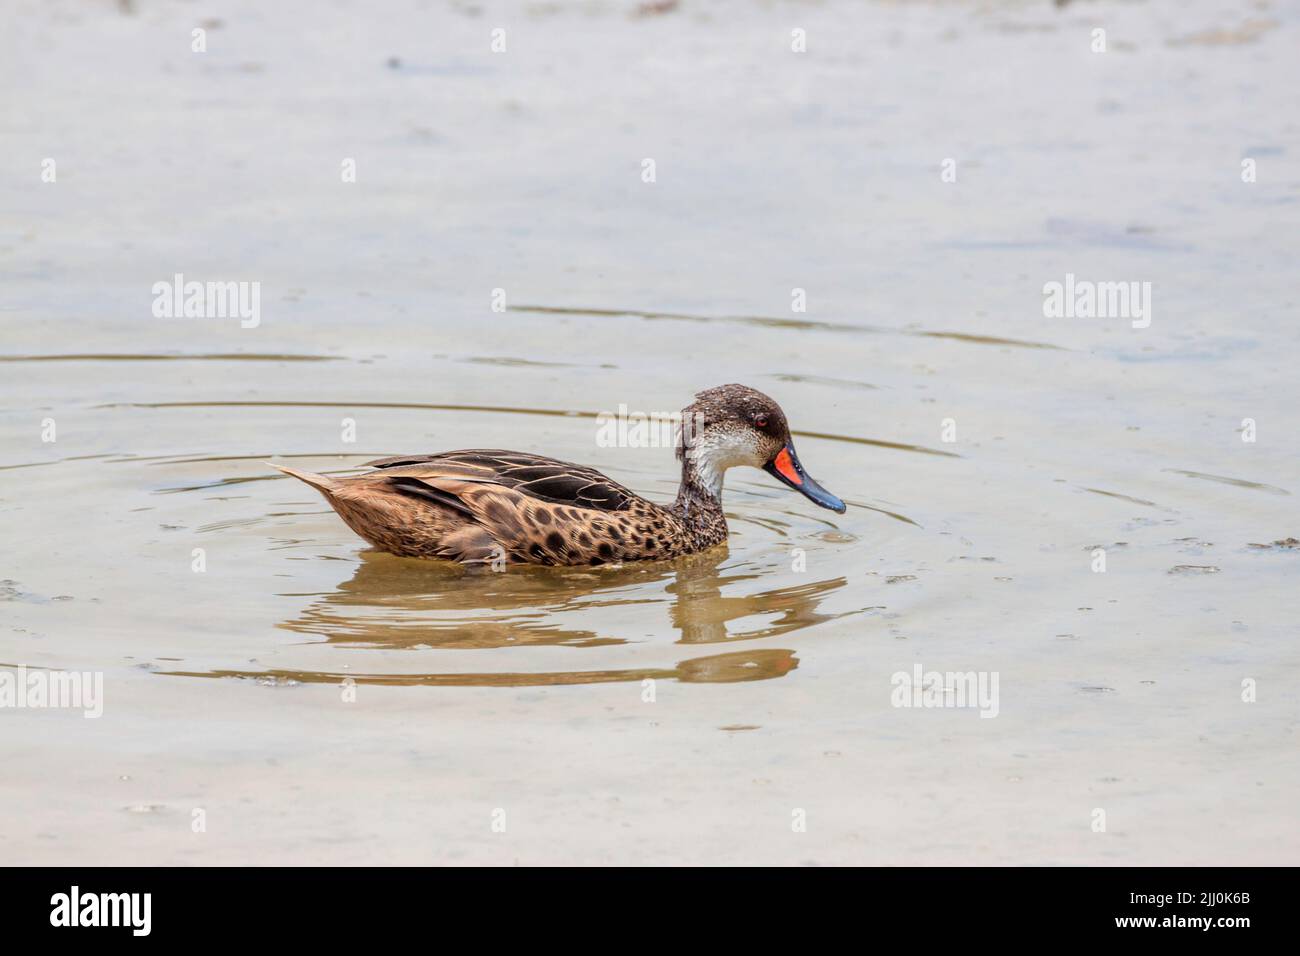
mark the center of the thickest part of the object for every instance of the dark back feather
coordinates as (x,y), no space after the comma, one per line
(415,488)
(558,482)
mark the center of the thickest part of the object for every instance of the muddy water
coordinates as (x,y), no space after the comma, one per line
(771,661)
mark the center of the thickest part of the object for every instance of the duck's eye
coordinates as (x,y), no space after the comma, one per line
(760,421)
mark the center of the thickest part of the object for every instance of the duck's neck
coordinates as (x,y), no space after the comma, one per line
(699,503)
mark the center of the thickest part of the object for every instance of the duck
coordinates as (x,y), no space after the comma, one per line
(491,506)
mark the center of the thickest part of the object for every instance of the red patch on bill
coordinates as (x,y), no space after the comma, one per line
(786,467)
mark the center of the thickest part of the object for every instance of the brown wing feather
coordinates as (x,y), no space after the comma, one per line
(481,506)
(546,479)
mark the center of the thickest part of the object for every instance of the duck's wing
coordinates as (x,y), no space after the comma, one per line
(484,505)
(545,479)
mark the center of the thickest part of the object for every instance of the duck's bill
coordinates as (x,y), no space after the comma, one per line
(787,469)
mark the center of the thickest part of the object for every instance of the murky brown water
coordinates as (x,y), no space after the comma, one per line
(771,659)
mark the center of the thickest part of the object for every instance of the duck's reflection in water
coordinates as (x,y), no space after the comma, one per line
(700,612)
(402,602)
(395,602)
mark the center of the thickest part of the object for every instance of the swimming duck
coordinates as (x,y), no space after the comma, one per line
(484,505)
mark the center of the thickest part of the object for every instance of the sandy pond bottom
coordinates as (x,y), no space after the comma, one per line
(478,697)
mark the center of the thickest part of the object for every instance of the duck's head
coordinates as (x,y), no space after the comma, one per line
(736,425)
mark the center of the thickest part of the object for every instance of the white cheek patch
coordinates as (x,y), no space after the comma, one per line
(713,453)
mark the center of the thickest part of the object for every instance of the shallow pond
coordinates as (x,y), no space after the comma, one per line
(320,702)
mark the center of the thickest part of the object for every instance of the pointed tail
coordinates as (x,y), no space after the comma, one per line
(321,483)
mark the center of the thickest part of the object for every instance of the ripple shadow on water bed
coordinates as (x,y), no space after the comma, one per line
(736,667)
